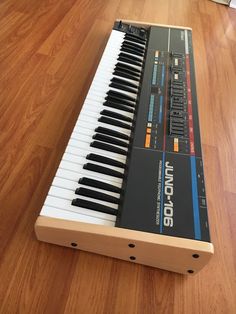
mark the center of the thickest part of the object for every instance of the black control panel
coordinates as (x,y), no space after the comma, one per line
(164,191)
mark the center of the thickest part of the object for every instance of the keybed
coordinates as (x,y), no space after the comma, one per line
(88,183)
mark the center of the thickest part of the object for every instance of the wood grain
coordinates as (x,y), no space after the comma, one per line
(49,51)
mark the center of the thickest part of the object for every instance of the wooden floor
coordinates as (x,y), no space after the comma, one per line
(49,51)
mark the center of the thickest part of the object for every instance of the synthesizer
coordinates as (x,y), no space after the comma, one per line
(130,184)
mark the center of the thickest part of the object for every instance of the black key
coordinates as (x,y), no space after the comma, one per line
(120,95)
(94,206)
(103,170)
(135,39)
(99,185)
(131,58)
(109,148)
(117,106)
(108,139)
(125,75)
(97,195)
(112,97)
(123,87)
(124,82)
(128,67)
(111,132)
(133,45)
(105,160)
(115,115)
(129,46)
(133,51)
(128,71)
(128,60)
(115,122)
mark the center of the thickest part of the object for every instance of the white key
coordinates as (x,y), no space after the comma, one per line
(113,53)
(86,139)
(59,213)
(69,195)
(93,123)
(75,176)
(89,106)
(141,45)
(84,152)
(98,107)
(104,73)
(95,115)
(81,152)
(96,99)
(79,168)
(98,90)
(64,204)
(84,131)
(89,149)
(82,160)
(129,64)
(73,185)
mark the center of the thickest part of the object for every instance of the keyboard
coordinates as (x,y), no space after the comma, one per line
(130,184)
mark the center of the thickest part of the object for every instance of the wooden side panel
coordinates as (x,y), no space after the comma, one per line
(148,24)
(170,253)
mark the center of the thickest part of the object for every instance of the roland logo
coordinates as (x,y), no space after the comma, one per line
(168,190)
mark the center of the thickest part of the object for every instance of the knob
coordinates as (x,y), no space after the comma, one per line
(142,31)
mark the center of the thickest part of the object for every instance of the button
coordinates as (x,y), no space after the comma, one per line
(176,144)
(147,140)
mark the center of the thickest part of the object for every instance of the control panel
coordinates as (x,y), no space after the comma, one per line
(131,29)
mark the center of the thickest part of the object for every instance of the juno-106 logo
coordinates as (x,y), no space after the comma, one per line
(168,190)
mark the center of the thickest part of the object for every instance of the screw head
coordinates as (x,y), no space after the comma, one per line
(131,245)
